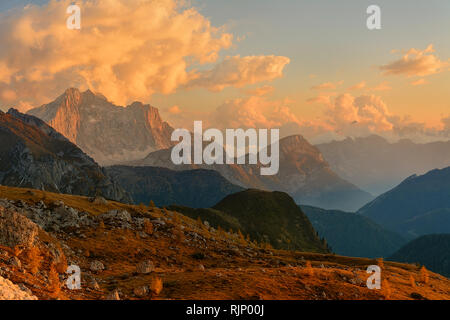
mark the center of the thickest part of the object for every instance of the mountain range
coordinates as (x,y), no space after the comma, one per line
(108,133)
(352,234)
(34,155)
(303,174)
(431,250)
(136,135)
(417,206)
(376,165)
(192,188)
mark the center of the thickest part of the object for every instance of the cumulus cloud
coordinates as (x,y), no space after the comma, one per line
(254,112)
(368,114)
(240,71)
(416,63)
(352,116)
(126,49)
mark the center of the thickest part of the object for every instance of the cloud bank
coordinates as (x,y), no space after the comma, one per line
(126,49)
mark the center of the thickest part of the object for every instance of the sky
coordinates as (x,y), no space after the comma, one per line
(306,67)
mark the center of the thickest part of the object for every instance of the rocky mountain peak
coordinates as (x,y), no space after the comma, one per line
(109,133)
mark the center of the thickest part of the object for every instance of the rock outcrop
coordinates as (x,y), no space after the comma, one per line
(15,229)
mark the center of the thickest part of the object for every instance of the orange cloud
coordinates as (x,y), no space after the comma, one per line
(358,116)
(254,112)
(126,49)
(174,110)
(260,91)
(327,86)
(240,71)
(418,82)
(384,86)
(358,86)
(8,95)
(416,63)
(323,98)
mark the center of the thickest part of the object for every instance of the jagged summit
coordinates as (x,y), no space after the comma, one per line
(109,133)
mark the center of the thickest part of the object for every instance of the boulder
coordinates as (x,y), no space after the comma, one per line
(16,229)
(114,295)
(141,291)
(119,218)
(145,267)
(97,266)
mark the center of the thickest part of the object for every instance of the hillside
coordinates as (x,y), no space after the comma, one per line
(267,217)
(192,188)
(376,165)
(414,201)
(351,234)
(34,155)
(432,250)
(303,174)
(108,133)
(121,259)
(273,217)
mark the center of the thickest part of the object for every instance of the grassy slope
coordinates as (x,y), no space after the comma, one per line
(233,270)
(272,217)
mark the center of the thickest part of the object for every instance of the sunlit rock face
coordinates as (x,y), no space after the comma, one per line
(108,133)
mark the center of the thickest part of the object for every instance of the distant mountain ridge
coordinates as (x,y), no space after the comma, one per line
(191,188)
(376,165)
(432,250)
(108,133)
(354,235)
(34,155)
(303,174)
(417,206)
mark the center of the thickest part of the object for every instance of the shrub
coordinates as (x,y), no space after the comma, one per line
(179,234)
(148,227)
(61,265)
(101,226)
(412,281)
(53,278)
(156,286)
(34,255)
(380,263)
(386,289)
(17,250)
(424,275)
(309,269)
